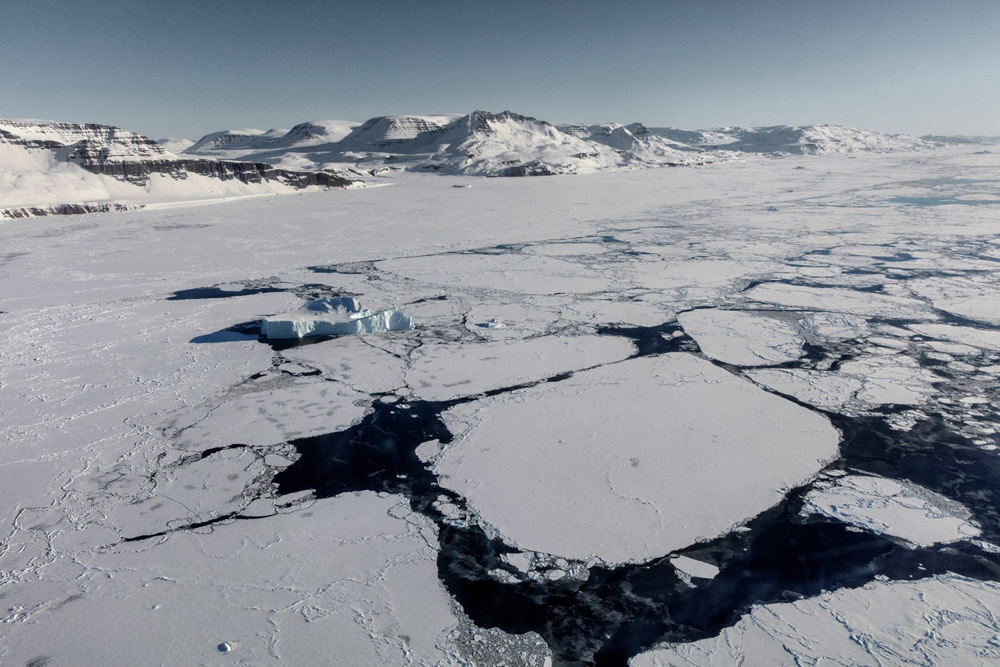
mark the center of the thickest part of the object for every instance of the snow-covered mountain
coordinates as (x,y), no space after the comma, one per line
(952,139)
(635,140)
(232,144)
(800,140)
(218,144)
(479,143)
(48,167)
(509,144)
(175,144)
(384,131)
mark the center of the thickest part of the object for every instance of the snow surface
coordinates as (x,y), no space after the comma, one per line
(807,140)
(42,171)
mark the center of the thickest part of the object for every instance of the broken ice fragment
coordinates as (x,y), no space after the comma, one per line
(694,568)
(885,506)
(330,317)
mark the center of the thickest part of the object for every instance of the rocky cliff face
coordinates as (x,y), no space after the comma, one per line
(127,157)
(106,161)
(385,131)
(64,209)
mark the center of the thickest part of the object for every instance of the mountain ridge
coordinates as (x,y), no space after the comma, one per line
(507,143)
(118,169)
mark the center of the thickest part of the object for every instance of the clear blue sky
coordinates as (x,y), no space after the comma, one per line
(181,68)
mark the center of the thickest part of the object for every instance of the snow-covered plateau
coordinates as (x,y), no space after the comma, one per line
(741,412)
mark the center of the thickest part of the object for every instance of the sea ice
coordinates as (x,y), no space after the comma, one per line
(946,620)
(971,298)
(881,379)
(631,460)
(111,394)
(840,300)
(742,339)
(882,505)
(444,371)
(981,338)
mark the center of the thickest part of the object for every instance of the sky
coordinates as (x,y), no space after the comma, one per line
(177,68)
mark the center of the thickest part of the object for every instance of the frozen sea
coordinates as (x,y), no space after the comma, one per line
(741,413)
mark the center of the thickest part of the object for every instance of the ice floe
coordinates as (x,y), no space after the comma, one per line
(971,298)
(839,300)
(880,505)
(979,338)
(858,385)
(440,372)
(742,339)
(694,568)
(377,600)
(946,620)
(630,460)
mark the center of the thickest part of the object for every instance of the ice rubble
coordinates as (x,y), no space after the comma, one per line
(332,317)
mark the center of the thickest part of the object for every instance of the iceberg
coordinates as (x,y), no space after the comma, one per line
(331,317)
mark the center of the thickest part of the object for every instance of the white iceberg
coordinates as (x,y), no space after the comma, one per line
(330,317)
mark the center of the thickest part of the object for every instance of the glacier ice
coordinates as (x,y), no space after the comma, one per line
(331,317)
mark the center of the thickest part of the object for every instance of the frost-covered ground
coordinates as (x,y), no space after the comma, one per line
(741,411)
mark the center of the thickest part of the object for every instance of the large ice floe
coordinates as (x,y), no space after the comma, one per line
(332,317)
(631,460)
(742,339)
